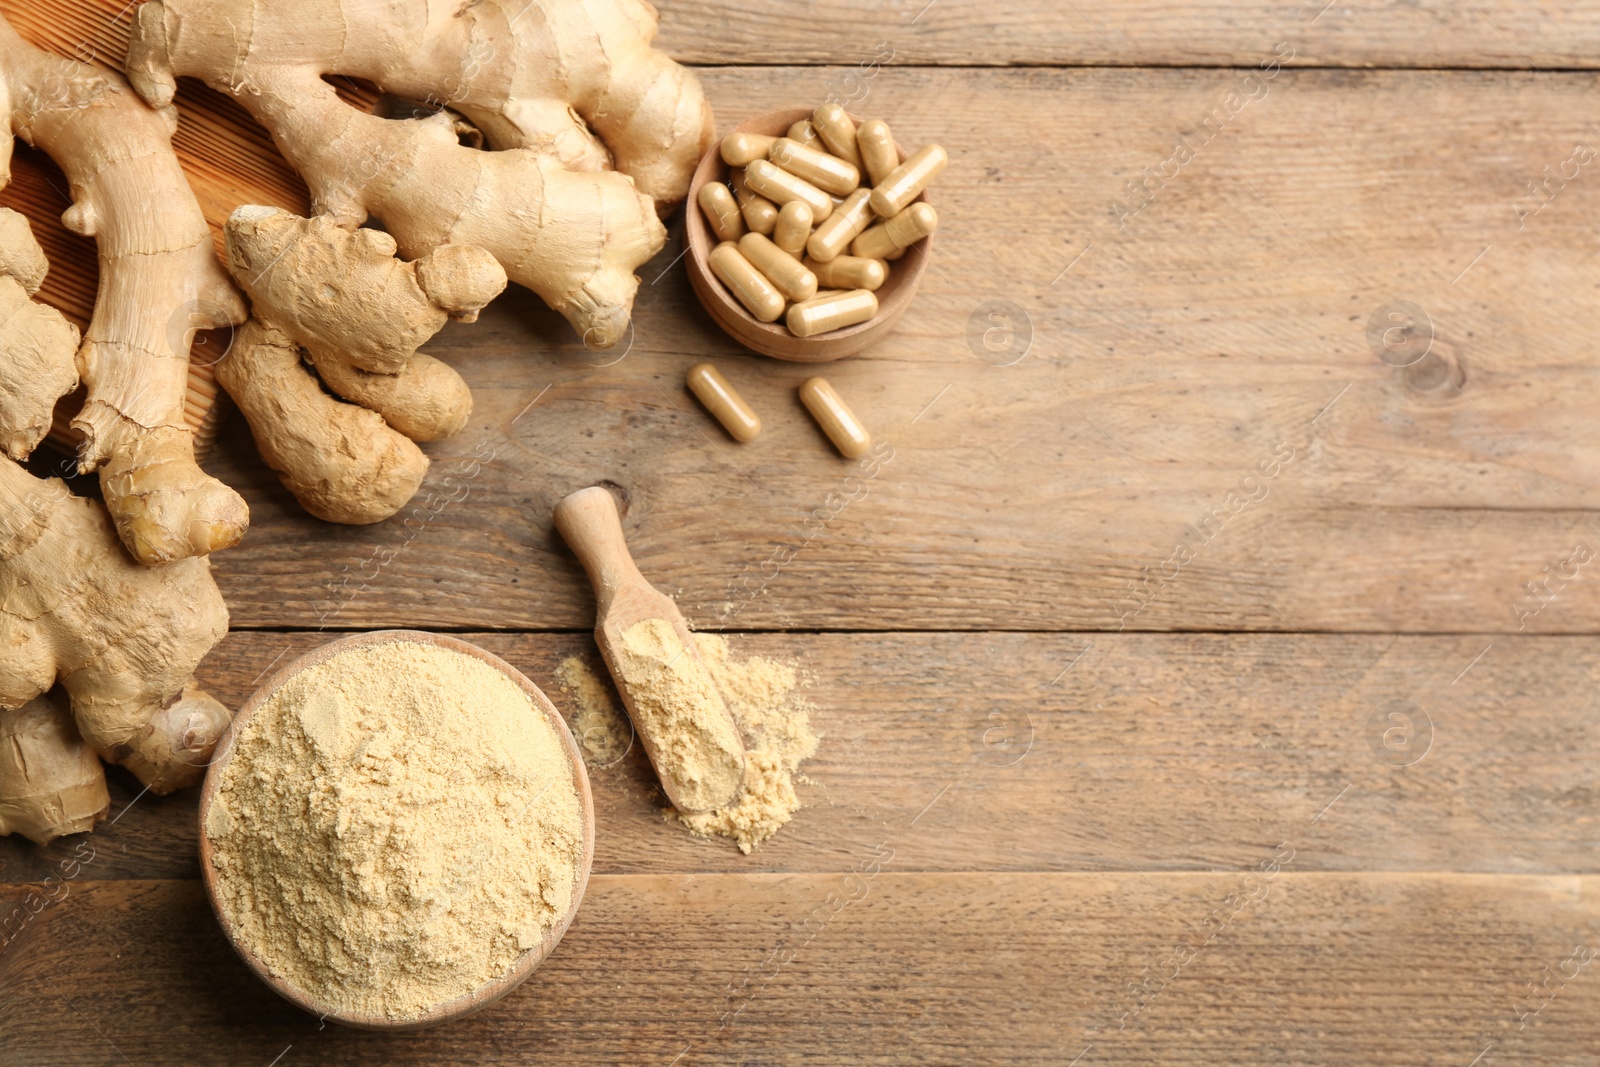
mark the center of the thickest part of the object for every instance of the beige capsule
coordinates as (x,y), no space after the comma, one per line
(739,149)
(803,132)
(819,315)
(721,211)
(846,223)
(746,283)
(793,229)
(760,214)
(846,432)
(724,402)
(902,231)
(906,182)
(850,272)
(838,133)
(767,179)
(828,173)
(786,273)
(879,156)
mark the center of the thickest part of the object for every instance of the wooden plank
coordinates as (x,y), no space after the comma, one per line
(884,967)
(1085,753)
(1516,34)
(1171,361)
(1386,33)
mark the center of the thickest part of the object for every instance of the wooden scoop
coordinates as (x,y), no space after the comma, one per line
(589,522)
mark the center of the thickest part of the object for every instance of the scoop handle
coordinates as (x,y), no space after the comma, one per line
(589,522)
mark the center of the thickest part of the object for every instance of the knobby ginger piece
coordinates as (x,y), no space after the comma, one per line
(122,639)
(159,282)
(341,302)
(51,783)
(562,92)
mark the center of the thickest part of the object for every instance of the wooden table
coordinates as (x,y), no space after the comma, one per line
(1318,789)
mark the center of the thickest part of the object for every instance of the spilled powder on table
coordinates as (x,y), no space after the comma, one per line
(395,827)
(677,708)
(763,695)
(602,728)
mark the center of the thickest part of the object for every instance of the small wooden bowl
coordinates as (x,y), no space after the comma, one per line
(527,962)
(773,338)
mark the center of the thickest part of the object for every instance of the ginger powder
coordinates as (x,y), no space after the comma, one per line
(773,714)
(395,827)
(681,713)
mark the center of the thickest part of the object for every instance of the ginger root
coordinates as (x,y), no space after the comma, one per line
(357,314)
(122,639)
(51,783)
(37,343)
(561,92)
(159,283)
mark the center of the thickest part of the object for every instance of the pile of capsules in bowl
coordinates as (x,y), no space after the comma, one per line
(819,242)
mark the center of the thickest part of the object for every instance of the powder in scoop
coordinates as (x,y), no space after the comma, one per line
(395,827)
(762,694)
(677,708)
(600,726)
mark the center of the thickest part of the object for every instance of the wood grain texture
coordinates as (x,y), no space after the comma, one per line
(1388,33)
(884,967)
(1011,837)
(1512,34)
(1087,753)
(1171,360)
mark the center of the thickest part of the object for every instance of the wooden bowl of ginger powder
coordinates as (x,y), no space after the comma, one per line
(397,830)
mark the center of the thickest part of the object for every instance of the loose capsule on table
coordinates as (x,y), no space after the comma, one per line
(712,389)
(833,125)
(828,173)
(803,132)
(846,223)
(749,285)
(739,149)
(821,314)
(767,179)
(849,272)
(785,272)
(902,231)
(879,156)
(906,182)
(760,214)
(835,417)
(794,228)
(721,211)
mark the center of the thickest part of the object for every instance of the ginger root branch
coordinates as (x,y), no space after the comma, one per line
(51,783)
(341,302)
